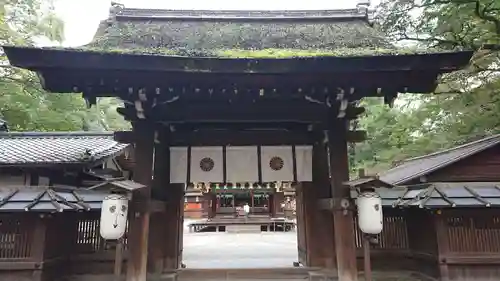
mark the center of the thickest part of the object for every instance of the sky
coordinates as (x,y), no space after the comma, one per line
(82,17)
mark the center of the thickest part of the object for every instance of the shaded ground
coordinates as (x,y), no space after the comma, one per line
(228,250)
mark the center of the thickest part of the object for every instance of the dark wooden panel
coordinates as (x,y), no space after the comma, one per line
(484,166)
(483,272)
(248,137)
(249,112)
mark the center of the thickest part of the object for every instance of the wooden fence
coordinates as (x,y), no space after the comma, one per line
(457,244)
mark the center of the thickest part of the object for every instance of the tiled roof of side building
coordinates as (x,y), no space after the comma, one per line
(52,148)
(420,166)
(441,195)
(49,199)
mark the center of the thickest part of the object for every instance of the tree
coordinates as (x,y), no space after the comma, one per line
(23,103)
(467,104)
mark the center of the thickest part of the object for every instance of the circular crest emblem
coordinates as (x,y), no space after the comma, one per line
(276,163)
(207,164)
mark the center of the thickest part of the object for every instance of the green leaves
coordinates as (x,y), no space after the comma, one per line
(468,104)
(23,103)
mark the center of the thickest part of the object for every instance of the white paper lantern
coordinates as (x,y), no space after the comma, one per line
(370,217)
(114,216)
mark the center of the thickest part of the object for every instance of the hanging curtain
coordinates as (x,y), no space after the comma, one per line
(242,164)
(206,164)
(303,156)
(178,164)
(277,163)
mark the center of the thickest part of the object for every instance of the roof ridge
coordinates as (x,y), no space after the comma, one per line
(450,149)
(141,13)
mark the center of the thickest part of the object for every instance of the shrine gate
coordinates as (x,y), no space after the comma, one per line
(230,79)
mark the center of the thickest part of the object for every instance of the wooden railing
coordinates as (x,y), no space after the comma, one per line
(393,237)
(15,238)
(473,234)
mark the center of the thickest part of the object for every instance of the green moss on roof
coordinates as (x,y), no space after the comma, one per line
(288,53)
(206,36)
(265,53)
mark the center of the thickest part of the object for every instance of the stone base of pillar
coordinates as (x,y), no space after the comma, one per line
(323,275)
(170,276)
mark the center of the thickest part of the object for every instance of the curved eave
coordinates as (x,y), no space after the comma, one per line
(37,59)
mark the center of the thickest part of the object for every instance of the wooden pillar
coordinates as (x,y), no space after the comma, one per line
(38,242)
(311,224)
(138,233)
(442,245)
(180,228)
(278,199)
(251,199)
(270,204)
(344,232)
(174,221)
(213,206)
(318,224)
(158,221)
(301,225)
(206,205)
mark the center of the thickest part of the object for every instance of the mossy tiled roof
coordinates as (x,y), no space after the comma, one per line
(209,33)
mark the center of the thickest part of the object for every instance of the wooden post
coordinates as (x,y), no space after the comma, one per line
(161,182)
(278,199)
(205,205)
(312,225)
(318,224)
(118,260)
(301,225)
(324,219)
(174,222)
(442,244)
(38,242)
(139,212)
(252,199)
(366,258)
(343,218)
(213,206)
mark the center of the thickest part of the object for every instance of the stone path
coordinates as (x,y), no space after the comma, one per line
(240,250)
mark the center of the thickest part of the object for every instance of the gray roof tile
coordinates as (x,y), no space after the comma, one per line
(442,195)
(56,148)
(49,199)
(416,167)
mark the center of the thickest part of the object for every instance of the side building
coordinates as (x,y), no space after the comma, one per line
(442,215)
(78,159)
(48,213)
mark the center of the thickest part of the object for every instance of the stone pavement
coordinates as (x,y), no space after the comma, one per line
(240,250)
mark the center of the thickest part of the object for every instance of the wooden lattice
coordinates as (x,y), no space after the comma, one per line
(14,238)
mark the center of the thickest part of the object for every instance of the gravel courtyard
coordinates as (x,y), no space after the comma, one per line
(228,250)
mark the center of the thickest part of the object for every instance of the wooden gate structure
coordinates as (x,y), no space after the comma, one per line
(215,78)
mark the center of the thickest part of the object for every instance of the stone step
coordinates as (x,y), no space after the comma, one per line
(244,274)
(243,228)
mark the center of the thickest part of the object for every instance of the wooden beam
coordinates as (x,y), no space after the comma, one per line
(244,137)
(139,215)
(344,233)
(248,112)
(117,270)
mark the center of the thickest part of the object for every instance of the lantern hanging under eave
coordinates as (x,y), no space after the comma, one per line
(114,216)
(370,217)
